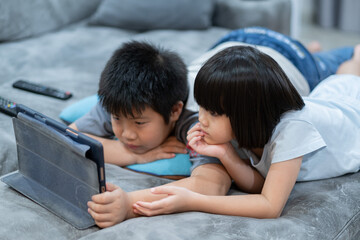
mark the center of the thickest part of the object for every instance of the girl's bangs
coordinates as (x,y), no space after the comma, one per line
(208,93)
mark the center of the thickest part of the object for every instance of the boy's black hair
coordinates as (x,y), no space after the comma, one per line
(140,75)
(250,88)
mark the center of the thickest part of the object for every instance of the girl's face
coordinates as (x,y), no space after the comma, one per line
(217,128)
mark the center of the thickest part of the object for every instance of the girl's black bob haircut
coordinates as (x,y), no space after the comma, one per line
(250,88)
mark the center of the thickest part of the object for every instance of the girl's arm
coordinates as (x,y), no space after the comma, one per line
(278,185)
(268,204)
(244,175)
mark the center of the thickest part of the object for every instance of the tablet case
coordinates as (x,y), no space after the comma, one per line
(59,168)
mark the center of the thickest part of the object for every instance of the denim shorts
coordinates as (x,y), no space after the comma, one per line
(314,67)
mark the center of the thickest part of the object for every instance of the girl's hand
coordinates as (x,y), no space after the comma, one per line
(178,199)
(109,208)
(196,141)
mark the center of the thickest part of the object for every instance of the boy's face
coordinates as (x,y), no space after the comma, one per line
(143,132)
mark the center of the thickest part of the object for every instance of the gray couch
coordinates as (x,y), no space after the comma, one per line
(52,42)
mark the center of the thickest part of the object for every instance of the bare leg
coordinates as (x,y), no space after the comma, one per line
(351,66)
(314,46)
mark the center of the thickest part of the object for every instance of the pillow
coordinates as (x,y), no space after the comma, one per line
(236,14)
(178,166)
(154,14)
(23,18)
(78,109)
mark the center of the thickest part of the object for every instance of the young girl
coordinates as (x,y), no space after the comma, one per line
(265,135)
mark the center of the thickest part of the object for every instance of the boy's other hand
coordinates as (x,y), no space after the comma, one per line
(167,149)
(110,207)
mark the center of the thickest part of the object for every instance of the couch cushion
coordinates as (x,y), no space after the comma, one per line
(273,14)
(22,18)
(154,14)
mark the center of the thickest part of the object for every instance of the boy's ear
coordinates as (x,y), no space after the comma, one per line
(176,110)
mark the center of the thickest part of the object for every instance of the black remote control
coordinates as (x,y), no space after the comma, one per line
(8,107)
(41,89)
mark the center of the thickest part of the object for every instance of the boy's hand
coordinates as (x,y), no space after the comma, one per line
(196,141)
(179,199)
(166,150)
(111,207)
(116,153)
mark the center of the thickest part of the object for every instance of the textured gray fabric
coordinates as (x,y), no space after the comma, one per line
(327,209)
(273,14)
(72,59)
(23,18)
(21,218)
(154,14)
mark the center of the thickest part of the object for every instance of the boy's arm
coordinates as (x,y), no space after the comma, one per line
(115,206)
(116,153)
(207,179)
(112,150)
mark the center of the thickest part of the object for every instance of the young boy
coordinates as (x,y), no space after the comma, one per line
(140,116)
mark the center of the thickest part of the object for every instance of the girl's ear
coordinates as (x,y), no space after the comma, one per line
(176,110)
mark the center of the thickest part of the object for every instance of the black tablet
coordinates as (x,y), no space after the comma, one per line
(59,168)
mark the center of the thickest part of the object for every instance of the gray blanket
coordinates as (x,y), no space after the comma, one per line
(71,59)
(327,209)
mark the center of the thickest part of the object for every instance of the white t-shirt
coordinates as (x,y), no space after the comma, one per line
(294,75)
(326,132)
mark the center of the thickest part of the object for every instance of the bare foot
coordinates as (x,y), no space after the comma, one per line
(314,46)
(351,66)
